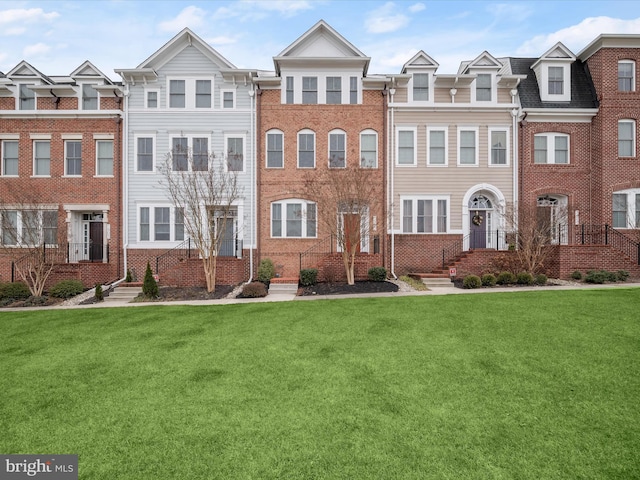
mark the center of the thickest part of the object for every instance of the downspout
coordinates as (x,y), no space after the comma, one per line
(258,128)
(252,97)
(124,167)
(514,135)
(390,166)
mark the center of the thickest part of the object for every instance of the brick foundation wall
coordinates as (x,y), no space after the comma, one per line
(565,259)
(420,253)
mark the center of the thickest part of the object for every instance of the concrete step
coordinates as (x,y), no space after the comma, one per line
(437,282)
(123,294)
(283,288)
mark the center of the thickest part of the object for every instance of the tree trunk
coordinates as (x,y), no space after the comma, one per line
(209,264)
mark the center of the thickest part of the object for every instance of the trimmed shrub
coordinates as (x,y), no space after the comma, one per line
(99,294)
(505,278)
(308,277)
(541,279)
(129,277)
(488,280)
(623,275)
(472,281)
(524,278)
(253,290)
(611,276)
(576,275)
(596,276)
(66,289)
(377,274)
(266,271)
(149,284)
(14,291)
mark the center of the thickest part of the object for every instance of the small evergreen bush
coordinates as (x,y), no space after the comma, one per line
(129,277)
(266,271)
(576,275)
(377,274)
(623,275)
(14,291)
(596,276)
(472,281)
(524,278)
(149,285)
(253,290)
(505,278)
(541,279)
(489,280)
(611,276)
(66,289)
(308,277)
(99,294)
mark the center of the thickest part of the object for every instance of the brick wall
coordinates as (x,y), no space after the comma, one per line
(420,253)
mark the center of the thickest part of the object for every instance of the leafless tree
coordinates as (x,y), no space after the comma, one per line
(346,199)
(204,190)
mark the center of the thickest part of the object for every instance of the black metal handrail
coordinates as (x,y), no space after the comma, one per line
(41,254)
(327,246)
(187,249)
(607,235)
(87,252)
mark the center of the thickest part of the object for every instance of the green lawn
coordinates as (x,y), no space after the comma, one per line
(530,385)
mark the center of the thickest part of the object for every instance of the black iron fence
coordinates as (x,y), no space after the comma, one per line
(607,235)
(187,249)
(312,257)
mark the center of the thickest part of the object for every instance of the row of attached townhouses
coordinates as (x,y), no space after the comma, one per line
(456,159)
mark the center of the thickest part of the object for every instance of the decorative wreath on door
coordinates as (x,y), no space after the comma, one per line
(477,219)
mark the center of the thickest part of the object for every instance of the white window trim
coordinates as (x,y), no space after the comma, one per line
(233,92)
(189,137)
(368,131)
(136,136)
(551,150)
(506,130)
(566,83)
(273,131)
(146,104)
(414,217)
(461,129)
(283,219)
(415,146)
(34,139)
(228,136)
(40,209)
(97,138)
(633,74)
(337,131)
(436,128)
(80,96)
(8,138)
(634,150)
(35,96)
(172,222)
(631,206)
(66,141)
(306,131)
(494,92)
(189,93)
(430,86)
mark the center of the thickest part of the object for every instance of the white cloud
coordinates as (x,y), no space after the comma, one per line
(35,50)
(578,36)
(221,40)
(192,17)
(417,7)
(12,21)
(385,19)
(287,8)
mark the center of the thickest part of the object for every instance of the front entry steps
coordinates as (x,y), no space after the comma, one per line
(284,286)
(433,280)
(123,294)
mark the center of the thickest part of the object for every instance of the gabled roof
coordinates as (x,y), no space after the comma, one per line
(483,61)
(420,61)
(88,70)
(610,40)
(583,94)
(556,53)
(319,45)
(26,71)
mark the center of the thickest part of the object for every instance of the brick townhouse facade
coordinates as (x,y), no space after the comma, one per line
(60,179)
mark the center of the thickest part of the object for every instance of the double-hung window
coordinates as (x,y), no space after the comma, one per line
(275,153)
(406,139)
(334,90)
(151,99)
(10,158)
(203,93)
(293,219)
(180,154)
(42,158)
(626,76)
(306,149)
(161,224)
(498,154)
(420,87)
(467,147)
(626,138)
(483,87)
(353,90)
(424,215)
(200,152)
(73,157)
(228,99)
(177,93)
(369,149)
(556,80)
(337,152)
(26,98)
(309,90)
(104,152)
(235,154)
(620,210)
(289,90)
(437,146)
(89,97)
(144,153)
(29,227)
(190,153)
(551,148)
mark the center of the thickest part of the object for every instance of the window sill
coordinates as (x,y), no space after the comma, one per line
(103,176)
(40,176)
(71,176)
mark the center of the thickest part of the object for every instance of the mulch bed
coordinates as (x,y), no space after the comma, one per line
(169,294)
(341,288)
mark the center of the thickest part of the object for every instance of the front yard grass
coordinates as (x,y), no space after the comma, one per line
(524,385)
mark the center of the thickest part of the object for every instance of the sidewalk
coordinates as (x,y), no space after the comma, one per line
(279,297)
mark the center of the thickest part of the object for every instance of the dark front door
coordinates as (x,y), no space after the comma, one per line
(96,241)
(478,229)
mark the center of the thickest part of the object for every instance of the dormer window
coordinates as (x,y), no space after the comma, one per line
(27,98)
(89,97)
(556,80)
(483,87)
(421,87)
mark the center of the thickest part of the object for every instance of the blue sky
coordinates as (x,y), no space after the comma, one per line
(57,36)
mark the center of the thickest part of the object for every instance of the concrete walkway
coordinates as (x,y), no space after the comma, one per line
(287,297)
